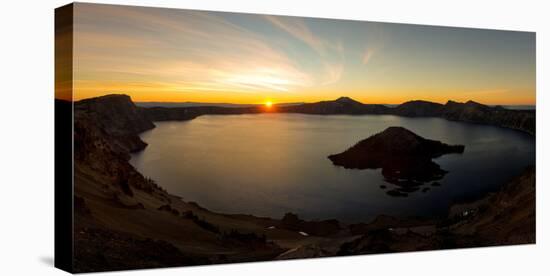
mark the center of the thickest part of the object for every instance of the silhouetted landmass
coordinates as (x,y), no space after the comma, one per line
(388,147)
(199,104)
(124,220)
(471,112)
(405,158)
(188,113)
(418,109)
(117,116)
(342,105)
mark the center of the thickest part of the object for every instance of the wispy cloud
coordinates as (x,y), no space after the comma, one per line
(333,73)
(181,54)
(376,37)
(198,51)
(329,53)
(369,53)
(299,30)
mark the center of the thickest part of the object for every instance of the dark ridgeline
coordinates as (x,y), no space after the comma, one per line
(342,105)
(188,113)
(471,112)
(405,158)
(418,109)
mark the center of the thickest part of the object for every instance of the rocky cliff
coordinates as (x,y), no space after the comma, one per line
(472,112)
(106,131)
(117,117)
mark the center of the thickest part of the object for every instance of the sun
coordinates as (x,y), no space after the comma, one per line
(268,104)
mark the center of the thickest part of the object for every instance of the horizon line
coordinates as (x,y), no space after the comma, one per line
(308,102)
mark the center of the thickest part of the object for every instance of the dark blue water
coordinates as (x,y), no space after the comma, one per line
(270,164)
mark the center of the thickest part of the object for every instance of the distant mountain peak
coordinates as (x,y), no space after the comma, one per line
(346,100)
(418,102)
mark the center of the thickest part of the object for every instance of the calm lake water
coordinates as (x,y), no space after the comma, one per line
(270,164)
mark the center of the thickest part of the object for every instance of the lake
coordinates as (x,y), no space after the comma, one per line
(270,164)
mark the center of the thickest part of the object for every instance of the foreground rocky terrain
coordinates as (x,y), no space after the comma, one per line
(503,218)
(125,221)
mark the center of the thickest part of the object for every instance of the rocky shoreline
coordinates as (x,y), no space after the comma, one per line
(118,210)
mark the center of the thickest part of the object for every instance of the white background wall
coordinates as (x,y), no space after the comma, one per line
(26,145)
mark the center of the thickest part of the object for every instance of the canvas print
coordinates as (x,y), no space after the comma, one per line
(194,137)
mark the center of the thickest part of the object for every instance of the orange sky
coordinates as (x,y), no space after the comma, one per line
(169,55)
